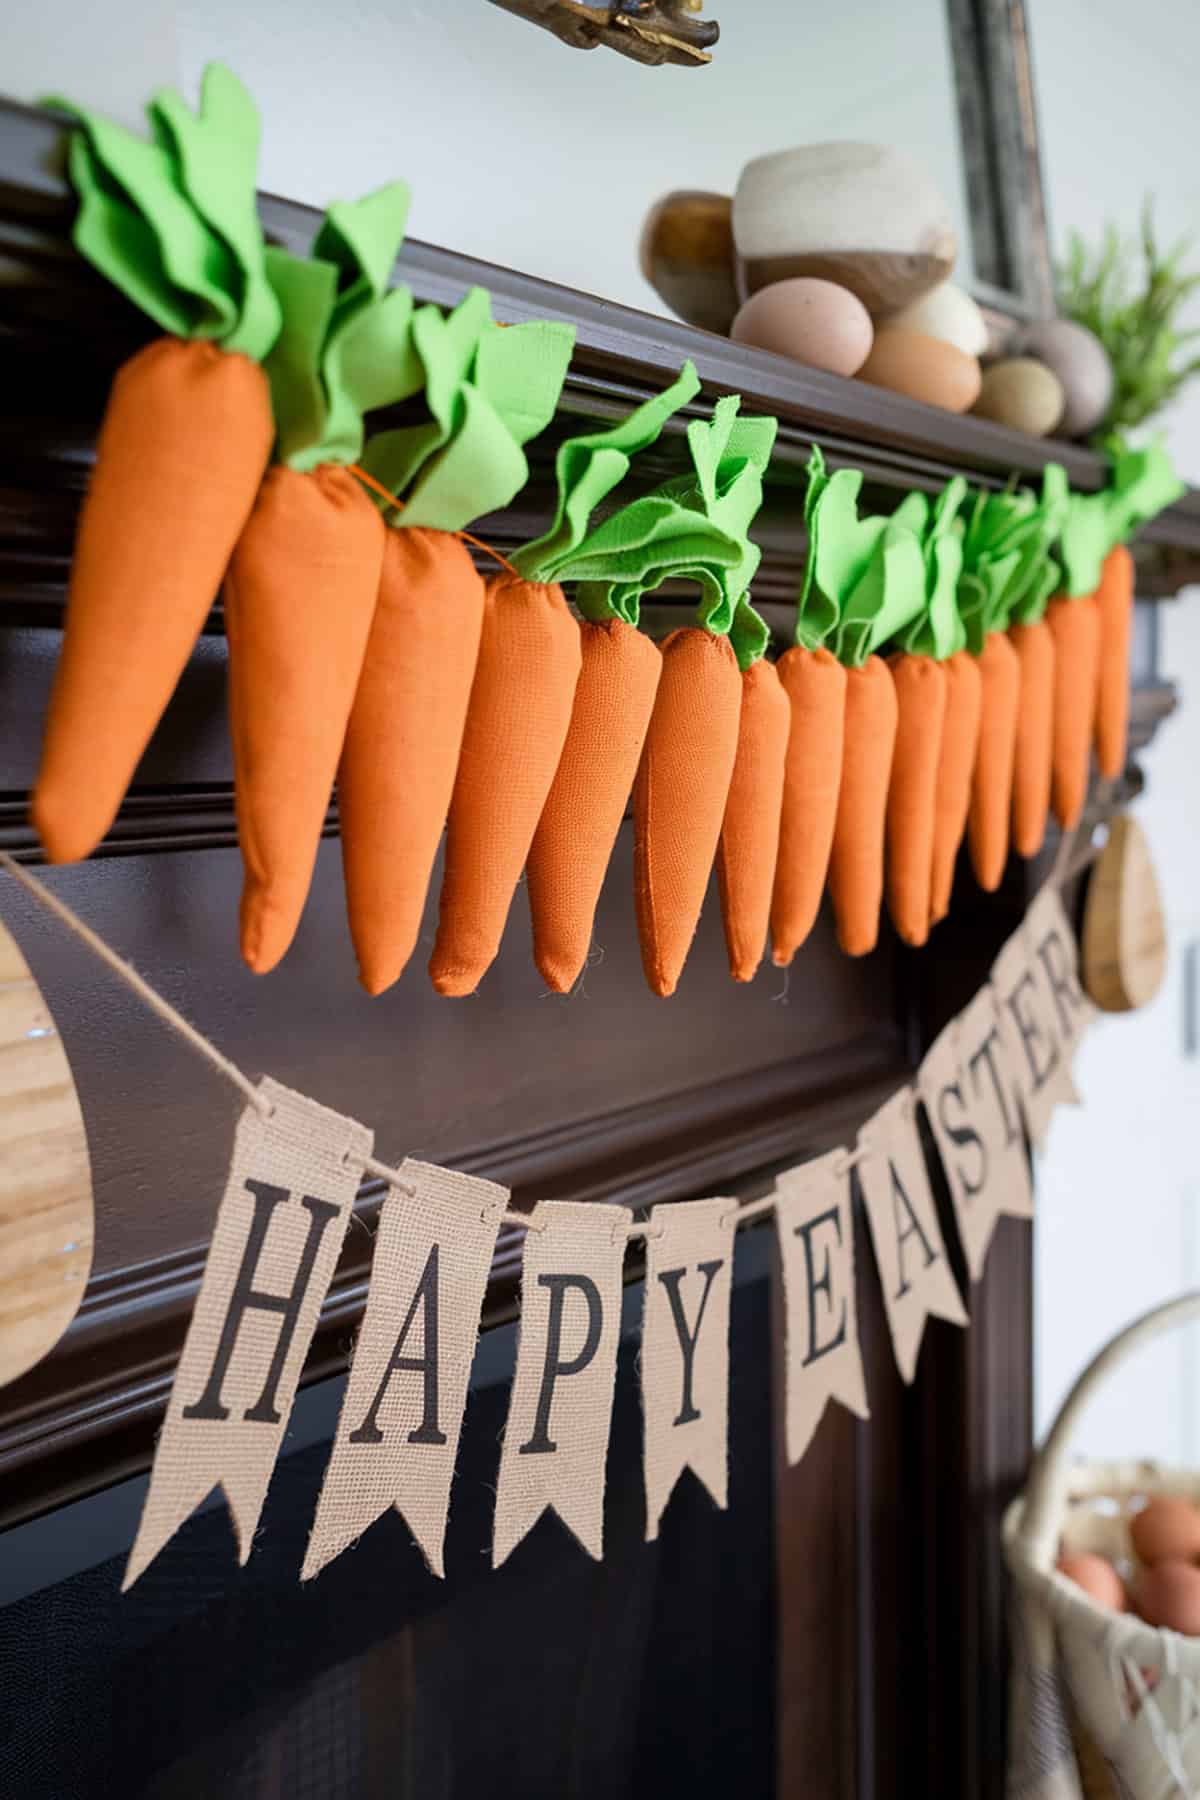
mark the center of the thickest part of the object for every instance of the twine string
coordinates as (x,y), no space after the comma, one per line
(398,506)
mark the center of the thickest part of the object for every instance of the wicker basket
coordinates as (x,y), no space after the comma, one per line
(1102,1704)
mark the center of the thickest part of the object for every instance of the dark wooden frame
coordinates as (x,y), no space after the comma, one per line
(882,1528)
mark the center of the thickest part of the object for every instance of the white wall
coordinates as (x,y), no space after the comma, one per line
(1118,1227)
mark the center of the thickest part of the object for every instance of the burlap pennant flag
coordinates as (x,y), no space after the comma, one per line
(815,1221)
(909,1250)
(397,1438)
(295,1171)
(556,1438)
(970,1098)
(1042,1009)
(685,1350)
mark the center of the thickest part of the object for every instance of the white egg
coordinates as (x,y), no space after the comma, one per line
(946,312)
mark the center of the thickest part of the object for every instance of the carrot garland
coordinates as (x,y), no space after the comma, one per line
(488,390)
(748,854)
(1033,641)
(614,698)
(183,446)
(922,689)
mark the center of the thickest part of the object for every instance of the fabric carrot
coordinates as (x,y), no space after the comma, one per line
(1032,526)
(488,390)
(614,698)
(185,439)
(956,769)
(301,591)
(868,582)
(1143,483)
(1074,624)
(681,795)
(922,687)
(748,853)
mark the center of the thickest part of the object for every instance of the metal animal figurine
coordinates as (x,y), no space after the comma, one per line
(649,31)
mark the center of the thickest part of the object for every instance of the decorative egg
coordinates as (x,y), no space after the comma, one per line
(813,322)
(1096,1576)
(1081,363)
(1167,1528)
(948,313)
(1168,1595)
(924,368)
(1023,394)
(686,254)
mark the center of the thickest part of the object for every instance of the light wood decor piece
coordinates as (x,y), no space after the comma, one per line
(1124,948)
(46,1214)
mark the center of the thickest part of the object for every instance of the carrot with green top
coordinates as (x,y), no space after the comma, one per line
(183,446)
(488,390)
(302,586)
(748,853)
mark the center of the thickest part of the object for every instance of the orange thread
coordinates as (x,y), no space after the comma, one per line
(466,537)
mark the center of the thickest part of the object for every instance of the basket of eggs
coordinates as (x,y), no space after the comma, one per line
(1105,1559)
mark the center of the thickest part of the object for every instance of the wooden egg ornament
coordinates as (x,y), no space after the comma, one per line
(1166,1530)
(865,216)
(1082,365)
(949,314)
(46,1211)
(686,254)
(1123,950)
(1097,1578)
(923,368)
(814,322)
(1023,394)
(1167,1594)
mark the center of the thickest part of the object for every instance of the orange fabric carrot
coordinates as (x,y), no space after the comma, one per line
(402,744)
(1075,626)
(956,769)
(185,440)
(856,859)
(613,705)
(302,586)
(680,794)
(517,723)
(749,844)
(815,684)
(1114,602)
(1033,751)
(920,686)
(991,782)
(488,390)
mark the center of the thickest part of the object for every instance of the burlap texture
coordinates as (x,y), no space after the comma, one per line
(909,1252)
(300,1153)
(815,1221)
(685,1393)
(397,1437)
(556,1439)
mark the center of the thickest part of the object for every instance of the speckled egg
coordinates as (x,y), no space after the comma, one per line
(947,313)
(1022,394)
(812,321)
(923,367)
(1081,363)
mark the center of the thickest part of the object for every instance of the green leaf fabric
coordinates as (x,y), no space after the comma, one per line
(1008,573)
(1144,483)
(173,223)
(344,346)
(488,390)
(749,634)
(589,467)
(864,578)
(692,528)
(938,630)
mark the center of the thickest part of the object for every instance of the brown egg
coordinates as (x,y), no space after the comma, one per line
(813,322)
(1022,394)
(1168,1594)
(1166,1527)
(924,368)
(1097,1577)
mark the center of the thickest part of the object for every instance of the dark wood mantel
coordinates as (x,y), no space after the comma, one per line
(610,1094)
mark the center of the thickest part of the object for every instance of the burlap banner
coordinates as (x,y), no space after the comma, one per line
(685,1350)
(909,1251)
(815,1222)
(1042,1011)
(295,1171)
(970,1096)
(397,1438)
(556,1439)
